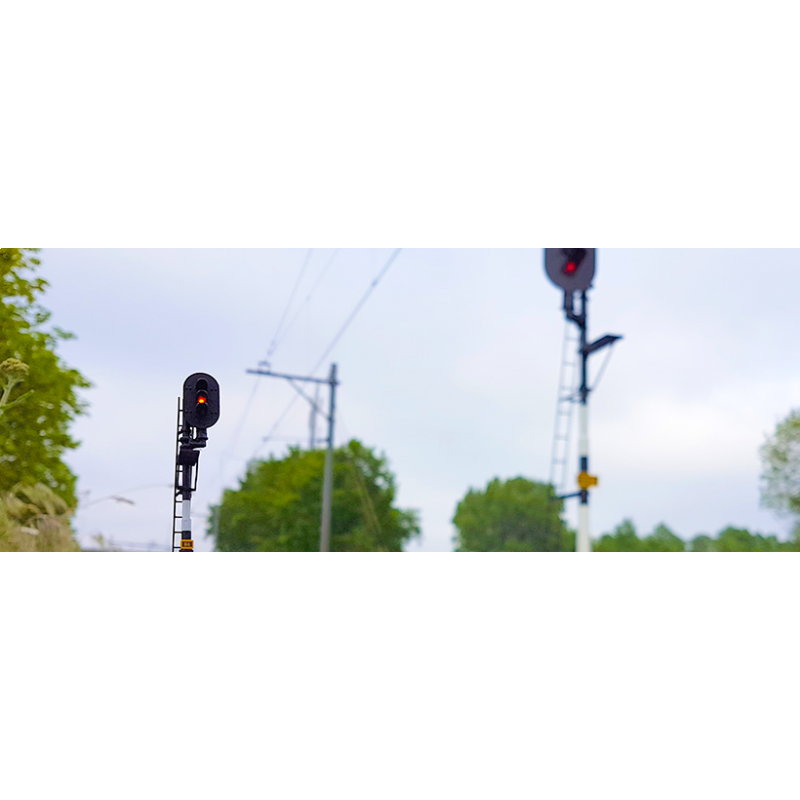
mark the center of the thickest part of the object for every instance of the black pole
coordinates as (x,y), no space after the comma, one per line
(584,354)
(584,458)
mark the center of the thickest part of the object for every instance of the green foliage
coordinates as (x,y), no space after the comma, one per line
(781,466)
(625,539)
(279,504)
(35,519)
(517,515)
(12,372)
(738,540)
(663,540)
(702,544)
(35,432)
(780,457)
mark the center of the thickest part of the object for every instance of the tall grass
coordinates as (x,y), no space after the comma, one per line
(35,519)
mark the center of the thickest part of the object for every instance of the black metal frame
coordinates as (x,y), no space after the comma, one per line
(187,459)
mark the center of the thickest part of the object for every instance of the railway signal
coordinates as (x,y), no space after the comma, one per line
(201,400)
(573,271)
(198,410)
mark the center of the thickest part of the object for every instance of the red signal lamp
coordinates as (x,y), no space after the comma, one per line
(572,268)
(200,401)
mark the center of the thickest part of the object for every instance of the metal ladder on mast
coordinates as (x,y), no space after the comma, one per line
(177,508)
(565,407)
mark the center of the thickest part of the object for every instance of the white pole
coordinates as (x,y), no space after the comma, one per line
(186,517)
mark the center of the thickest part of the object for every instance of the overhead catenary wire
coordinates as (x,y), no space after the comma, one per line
(353,314)
(370,515)
(274,344)
(367,506)
(358,308)
(278,338)
(305,302)
(242,418)
(275,338)
(275,427)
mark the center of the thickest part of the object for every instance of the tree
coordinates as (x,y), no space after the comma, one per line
(663,540)
(780,477)
(780,458)
(702,544)
(278,505)
(35,432)
(12,372)
(32,518)
(740,540)
(625,539)
(518,515)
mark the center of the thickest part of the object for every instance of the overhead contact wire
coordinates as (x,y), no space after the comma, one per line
(379,277)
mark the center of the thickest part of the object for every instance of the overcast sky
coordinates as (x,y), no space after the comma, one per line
(451,369)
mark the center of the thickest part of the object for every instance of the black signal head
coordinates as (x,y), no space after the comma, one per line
(200,400)
(571,269)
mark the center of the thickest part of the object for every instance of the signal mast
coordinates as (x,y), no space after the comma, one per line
(196,414)
(573,270)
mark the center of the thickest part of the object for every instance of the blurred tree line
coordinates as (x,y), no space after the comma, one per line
(522,515)
(278,507)
(662,540)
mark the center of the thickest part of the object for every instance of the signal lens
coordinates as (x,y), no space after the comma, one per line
(201,399)
(570,268)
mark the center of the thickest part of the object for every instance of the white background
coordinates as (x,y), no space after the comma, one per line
(423,125)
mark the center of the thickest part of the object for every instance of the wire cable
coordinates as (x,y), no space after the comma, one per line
(242,418)
(306,301)
(368,507)
(276,340)
(333,343)
(358,308)
(274,428)
(274,343)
